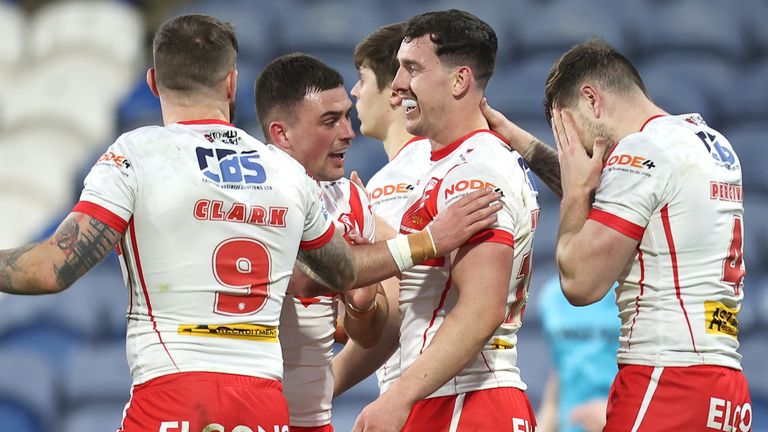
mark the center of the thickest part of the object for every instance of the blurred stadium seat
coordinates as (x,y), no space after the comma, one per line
(707,27)
(111,31)
(97,374)
(745,100)
(94,417)
(27,392)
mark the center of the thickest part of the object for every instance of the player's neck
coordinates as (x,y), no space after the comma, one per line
(395,139)
(457,125)
(176,109)
(633,116)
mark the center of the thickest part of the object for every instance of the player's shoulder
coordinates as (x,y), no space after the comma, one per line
(414,146)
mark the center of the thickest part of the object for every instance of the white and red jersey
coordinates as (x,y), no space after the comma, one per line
(427,295)
(389,189)
(675,187)
(212,220)
(308,324)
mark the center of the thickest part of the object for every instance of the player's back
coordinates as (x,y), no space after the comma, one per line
(682,293)
(216,224)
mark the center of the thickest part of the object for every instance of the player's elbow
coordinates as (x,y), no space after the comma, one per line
(578,293)
(49,284)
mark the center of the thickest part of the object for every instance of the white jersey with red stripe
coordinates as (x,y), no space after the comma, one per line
(427,295)
(212,221)
(307,325)
(675,186)
(389,189)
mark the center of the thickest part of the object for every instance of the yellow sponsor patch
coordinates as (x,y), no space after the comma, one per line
(720,319)
(252,332)
(499,344)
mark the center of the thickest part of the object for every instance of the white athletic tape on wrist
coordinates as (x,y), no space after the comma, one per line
(401,252)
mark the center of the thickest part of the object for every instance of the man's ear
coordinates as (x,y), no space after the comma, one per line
(593,97)
(152,81)
(278,135)
(232,85)
(462,80)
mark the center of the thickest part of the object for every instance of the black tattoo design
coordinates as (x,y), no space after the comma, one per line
(543,161)
(83,250)
(330,265)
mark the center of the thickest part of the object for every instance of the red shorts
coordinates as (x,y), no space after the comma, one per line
(694,398)
(504,409)
(214,402)
(326,428)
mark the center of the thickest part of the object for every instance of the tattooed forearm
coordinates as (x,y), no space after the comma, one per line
(82,250)
(543,161)
(330,265)
(10,269)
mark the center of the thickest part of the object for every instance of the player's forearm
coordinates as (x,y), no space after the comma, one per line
(572,257)
(355,363)
(331,265)
(462,335)
(22,272)
(543,161)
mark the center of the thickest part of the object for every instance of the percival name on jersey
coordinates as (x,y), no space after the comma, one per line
(212,221)
(475,161)
(676,188)
(389,189)
(308,324)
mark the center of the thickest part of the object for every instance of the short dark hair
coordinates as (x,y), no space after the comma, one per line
(378,52)
(193,52)
(284,83)
(461,39)
(592,60)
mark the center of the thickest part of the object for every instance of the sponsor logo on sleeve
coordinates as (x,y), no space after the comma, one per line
(110,158)
(631,164)
(720,319)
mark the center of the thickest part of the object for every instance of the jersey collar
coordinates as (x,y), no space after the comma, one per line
(206,122)
(445,151)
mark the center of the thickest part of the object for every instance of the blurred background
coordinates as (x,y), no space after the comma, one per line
(72,79)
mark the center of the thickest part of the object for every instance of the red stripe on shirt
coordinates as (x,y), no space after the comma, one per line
(356,207)
(637,299)
(434,314)
(134,243)
(673,256)
(619,224)
(320,241)
(492,236)
(102,215)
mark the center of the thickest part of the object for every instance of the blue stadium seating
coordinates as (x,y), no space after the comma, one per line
(27,392)
(745,100)
(709,27)
(107,379)
(94,417)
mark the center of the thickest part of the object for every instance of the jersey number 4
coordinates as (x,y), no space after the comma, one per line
(241,263)
(733,267)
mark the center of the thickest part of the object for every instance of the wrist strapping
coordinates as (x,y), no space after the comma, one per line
(412,249)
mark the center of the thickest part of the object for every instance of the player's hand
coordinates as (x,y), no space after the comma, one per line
(455,225)
(354,178)
(518,138)
(590,415)
(385,414)
(579,172)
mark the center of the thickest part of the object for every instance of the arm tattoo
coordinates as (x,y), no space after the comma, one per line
(9,267)
(68,254)
(82,251)
(543,161)
(330,265)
